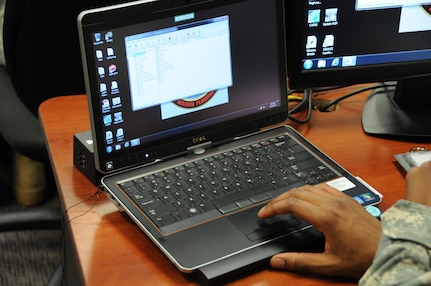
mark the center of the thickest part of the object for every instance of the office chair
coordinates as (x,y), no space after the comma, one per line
(42,61)
(19,125)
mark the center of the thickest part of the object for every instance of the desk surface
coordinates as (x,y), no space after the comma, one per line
(110,248)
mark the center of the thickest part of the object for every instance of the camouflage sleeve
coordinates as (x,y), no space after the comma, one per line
(404,253)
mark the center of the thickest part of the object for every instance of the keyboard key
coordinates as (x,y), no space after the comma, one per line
(142,196)
(193,211)
(244,203)
(180,215)
(162,210)
(165,220)
(148,204)
(228,208)
(241,195)
(260,198)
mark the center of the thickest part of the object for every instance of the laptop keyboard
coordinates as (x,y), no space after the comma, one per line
(227,182)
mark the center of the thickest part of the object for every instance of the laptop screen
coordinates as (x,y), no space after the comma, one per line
(163,80)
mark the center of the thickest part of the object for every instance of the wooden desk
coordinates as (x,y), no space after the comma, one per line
(110,249)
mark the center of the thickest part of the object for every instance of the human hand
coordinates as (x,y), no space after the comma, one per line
(351,233)
(418,184)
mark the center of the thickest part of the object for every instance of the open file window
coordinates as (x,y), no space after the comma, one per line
(179,62)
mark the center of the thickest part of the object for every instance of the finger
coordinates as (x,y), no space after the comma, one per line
(312,194)
(285,205)
(319,263)
(418,184)
(319,216)
(300,201)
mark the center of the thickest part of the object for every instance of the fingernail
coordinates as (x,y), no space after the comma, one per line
(278,263)
(261,210)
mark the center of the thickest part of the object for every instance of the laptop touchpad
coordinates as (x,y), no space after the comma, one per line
(255,229)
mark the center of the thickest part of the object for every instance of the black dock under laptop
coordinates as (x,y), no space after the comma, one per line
(178,93)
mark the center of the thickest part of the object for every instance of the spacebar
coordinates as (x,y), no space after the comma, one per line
(231,198)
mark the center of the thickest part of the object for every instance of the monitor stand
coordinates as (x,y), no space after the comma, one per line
(401,112)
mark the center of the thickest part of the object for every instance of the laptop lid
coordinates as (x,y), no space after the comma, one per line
(212,70)
(166,76)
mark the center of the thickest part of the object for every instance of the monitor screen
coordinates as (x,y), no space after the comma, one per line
(342,42)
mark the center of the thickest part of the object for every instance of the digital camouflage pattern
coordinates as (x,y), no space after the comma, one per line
(404,254)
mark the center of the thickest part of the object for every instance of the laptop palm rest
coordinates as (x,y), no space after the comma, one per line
(287,233)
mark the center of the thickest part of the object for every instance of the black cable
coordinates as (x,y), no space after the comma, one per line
(341,98)
(300,106)
(307,101)
(292,91)
(66,223)
(317,89)
(304,102)
(308,95)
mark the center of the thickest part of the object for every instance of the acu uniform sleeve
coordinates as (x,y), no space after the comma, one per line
(404,253)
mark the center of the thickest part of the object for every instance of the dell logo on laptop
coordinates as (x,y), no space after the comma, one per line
(199,139)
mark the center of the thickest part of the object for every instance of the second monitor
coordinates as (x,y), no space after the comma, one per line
(342,42)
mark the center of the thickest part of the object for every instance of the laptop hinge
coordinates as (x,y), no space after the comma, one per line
(199,149)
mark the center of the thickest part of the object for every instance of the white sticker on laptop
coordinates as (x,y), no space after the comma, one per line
(342,184)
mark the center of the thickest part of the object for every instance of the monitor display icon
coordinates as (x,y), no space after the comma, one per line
(109,36)
(99,55)
(321,64)
(118,117)
(112,69)
(114,87)
(349,61)
(313,16)
(311,42)
(97,37)
(107,119)
(116,101)
(335,62)
(103,89)
(110,53)
(101,71)
(328,41)
(308,64)
(108,135)
(106,104)
(331,15)
(120,134)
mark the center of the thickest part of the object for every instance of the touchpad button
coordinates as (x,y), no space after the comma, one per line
(273,230)
(255,229)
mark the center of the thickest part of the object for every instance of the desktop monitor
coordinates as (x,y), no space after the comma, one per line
(343,42)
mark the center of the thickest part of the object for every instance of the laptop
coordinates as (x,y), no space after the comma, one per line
(179,93)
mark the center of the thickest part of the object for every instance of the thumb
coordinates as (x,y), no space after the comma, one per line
(319,263)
